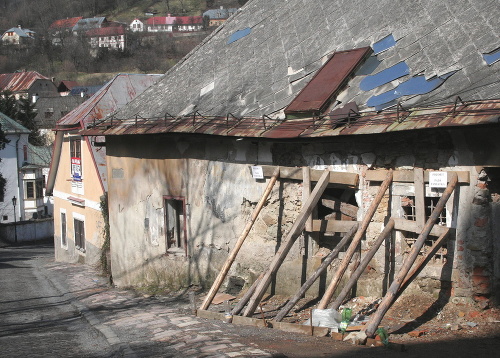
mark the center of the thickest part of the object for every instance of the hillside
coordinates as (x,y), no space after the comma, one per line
(72,63)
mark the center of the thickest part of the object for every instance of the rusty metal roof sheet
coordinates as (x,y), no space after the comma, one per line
(19,81)
(445,116)
(115,94)
(327,81)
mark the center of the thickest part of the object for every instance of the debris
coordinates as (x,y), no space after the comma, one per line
(325,318)
(221,297)
(416,333)
(471,324)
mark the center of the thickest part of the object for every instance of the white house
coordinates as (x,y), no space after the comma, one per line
(136,26)
(13,156)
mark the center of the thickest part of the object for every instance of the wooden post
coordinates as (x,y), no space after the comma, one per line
(324,265)
(418,177)
(423,261)
(246,297)
(389,297)
(232,256)
(306,191)
(364,262)
(295,231)
(355,242)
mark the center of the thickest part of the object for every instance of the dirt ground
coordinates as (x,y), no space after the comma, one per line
(419,325)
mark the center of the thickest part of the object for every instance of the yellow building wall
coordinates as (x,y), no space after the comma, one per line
(67,201)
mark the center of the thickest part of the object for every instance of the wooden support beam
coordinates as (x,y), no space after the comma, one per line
(407,176)
(418,178)
(232,256)
(246,297)
(411,226)
(345,208)
(340,179)
(423,261)
(332,226)
(355,242)
(295,231)
(362,266)
(390,296)
(306,191)
(324,265)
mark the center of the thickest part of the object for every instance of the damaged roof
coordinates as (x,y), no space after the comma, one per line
(260,60)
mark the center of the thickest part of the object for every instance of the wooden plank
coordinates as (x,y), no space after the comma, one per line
(355,242)
(418,178)
(332,226)
(295,231)
(364,262)
(324,265)
(295,173)
(234,252)
(411,226)
(337,205)
(306,191)
(393,290)
(406,176)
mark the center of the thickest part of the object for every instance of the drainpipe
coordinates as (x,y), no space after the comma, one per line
(19,183)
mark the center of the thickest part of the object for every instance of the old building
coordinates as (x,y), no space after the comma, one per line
(327,86)
(27,84)
(112,38)
(217,17)
(77,179)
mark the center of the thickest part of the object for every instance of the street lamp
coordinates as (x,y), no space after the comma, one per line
(14,202)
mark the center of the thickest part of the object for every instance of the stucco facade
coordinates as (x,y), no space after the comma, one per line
(212,177)
(76,199)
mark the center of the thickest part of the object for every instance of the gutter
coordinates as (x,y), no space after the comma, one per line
(54,163)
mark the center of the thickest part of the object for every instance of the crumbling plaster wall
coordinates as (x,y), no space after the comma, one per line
(213,175)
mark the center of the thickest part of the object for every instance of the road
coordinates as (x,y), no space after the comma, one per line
(36,319)
(54,309)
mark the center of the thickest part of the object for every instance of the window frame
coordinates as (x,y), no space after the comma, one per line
(79,232)
(181,229)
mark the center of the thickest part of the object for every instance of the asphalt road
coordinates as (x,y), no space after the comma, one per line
(36,318)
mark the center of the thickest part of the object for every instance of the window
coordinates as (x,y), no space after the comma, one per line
(30,190)
(63,230)
(25,153)
(76,157)
(175,223)
(409,209)
(79,234)
(34,189)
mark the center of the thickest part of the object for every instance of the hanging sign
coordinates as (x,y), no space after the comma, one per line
(438,179)
(76,168)
(257,172)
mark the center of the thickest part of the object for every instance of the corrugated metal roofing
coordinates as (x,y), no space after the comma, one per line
(115,94)
(337,124)
(19,81)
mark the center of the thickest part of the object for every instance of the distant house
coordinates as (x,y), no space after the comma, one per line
(188,23)
(136,26)
(78,175)
(62,28)
(217,17)
(107,37)
(160,24)
(27,84)
(64,88)
(84,91)
(25,168)
(18,36)
(84,25)
(174,23)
